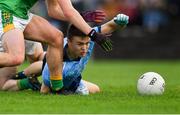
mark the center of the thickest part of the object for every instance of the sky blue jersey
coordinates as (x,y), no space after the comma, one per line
(71,69)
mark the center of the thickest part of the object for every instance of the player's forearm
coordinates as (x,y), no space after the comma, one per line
(110,27)
(76,19)
(56,14)
(73,16)
(118,22)
(54,10)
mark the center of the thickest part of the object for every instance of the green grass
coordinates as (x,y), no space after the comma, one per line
(117,80)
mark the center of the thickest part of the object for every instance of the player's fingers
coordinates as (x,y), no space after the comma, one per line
(98,21)
(99,15)
(100,18)
(99,11)
(108,45)
(108,35)
(103,47)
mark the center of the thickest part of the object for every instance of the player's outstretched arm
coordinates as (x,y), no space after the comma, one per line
(76,19)
(120,21)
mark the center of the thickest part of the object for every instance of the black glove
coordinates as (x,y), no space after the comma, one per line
(101,39)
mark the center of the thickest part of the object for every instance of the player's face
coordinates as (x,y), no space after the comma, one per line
(78,46)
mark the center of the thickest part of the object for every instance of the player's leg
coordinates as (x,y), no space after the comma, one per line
(5,74)
(7,83)
(12,39)
(13,44)
(10,85)
(34,53)
(22,84)
(93,88)
(40,29)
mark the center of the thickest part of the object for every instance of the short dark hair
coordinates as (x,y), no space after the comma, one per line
(73,31)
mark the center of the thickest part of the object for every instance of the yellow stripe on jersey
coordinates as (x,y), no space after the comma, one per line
(8,27)
(7,21)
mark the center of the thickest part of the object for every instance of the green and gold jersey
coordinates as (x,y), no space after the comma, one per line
(18,8)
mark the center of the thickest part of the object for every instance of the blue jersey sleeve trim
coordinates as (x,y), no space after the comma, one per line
(98,29)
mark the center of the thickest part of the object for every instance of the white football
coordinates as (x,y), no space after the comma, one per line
(151,83)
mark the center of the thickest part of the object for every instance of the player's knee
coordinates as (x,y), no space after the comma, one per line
(57,39)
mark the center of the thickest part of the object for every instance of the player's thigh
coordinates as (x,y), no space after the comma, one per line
(5,74)
(93,88)
(13,42)
(41,30)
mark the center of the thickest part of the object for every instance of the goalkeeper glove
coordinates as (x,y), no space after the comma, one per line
(96,16)
(121,19)
(101,39)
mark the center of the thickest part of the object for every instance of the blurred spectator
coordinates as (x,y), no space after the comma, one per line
(154,15)
(128,7)
(78,4)
(91,4)
(174,7)
(110,7)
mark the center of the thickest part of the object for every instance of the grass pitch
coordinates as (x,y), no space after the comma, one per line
(117,80)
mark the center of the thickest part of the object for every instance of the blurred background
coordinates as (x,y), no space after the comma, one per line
(153,31)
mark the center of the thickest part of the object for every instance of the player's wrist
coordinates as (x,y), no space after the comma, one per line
(101,39)
(92,34)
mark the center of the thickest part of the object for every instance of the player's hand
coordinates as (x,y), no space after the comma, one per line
(121,19)
(56,85)
(102,40)
(96,16)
